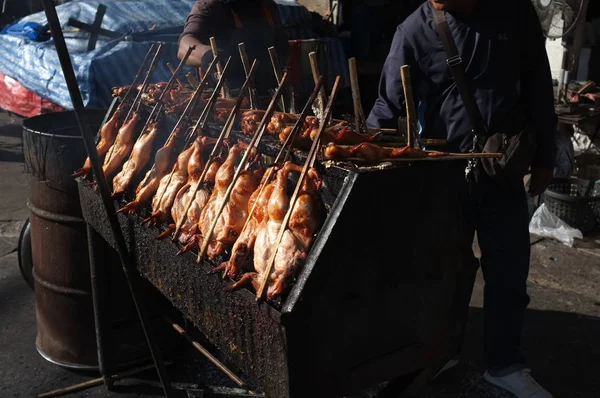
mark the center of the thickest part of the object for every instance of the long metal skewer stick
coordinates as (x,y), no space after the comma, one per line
(131,89)
(286,148)
(88,140)
(145,83)
(204,115)
(137,99)
(159,102)
(255,140)
(189,107)
(309,161)
(224,132)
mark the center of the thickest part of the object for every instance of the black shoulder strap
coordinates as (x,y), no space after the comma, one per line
(455,63)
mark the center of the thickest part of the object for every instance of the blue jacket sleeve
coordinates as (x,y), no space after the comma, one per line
(537,92)
(390,103)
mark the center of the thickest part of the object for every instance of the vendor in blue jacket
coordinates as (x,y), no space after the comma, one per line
(503,49)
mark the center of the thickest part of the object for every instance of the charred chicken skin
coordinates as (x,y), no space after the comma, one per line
(140,155)
(163,162)
(108,134)
(121,148)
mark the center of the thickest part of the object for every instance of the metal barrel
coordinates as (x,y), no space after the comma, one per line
(53,150)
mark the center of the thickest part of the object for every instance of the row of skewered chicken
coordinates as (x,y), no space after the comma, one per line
(254,212)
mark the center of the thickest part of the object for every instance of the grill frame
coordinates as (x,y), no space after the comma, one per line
(291,350)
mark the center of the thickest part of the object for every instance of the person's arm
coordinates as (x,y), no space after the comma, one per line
(195,58)
(199,27)
(537,92)
(390,103)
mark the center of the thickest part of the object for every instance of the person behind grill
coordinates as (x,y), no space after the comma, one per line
(256,23)
(502,47)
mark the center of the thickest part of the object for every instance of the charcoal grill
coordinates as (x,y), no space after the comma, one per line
(371,303)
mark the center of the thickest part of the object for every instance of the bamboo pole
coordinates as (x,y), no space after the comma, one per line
(410,106)
(314,66)
(277,71)
(359,117)
(215,51)
(246,64)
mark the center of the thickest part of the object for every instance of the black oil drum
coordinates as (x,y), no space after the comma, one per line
(53,150)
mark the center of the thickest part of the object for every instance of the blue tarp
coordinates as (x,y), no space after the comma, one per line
(114,62)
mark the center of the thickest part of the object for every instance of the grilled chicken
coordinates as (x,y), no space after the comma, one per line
(168,187)
(189,230)
(251,120)
(244,245)
(277,206)
(297,239)
(108,134)
(371,152)
(121,148)
(187,170)
(163,162)
(140,155)
(222,180)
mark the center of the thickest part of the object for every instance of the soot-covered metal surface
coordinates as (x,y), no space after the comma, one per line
(371,303)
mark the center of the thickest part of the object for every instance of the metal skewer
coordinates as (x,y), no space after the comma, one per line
(189,107)
(137,98)
(205,112)
(286,148)
(131,89)
(181,85)
(255,139)
(312,155)
(224,133)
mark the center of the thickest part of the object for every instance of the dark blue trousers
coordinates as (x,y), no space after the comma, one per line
(500,218)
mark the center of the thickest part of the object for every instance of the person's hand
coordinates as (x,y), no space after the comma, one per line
(541,177)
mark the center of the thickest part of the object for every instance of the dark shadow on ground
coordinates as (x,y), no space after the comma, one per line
(562,349)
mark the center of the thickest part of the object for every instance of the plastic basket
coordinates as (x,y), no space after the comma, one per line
(567,199)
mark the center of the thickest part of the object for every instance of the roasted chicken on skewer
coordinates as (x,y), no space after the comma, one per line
(140,155)
(296,241)
(371,152)
(189,160)
(163,162)
(168,187)
(122,147)
(108,134)
(244,245)
(189,230)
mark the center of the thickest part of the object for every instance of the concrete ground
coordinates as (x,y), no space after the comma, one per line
(560,338)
